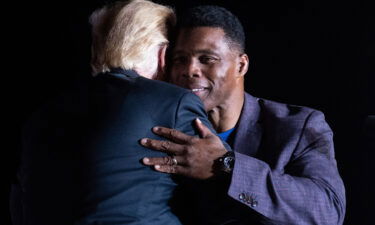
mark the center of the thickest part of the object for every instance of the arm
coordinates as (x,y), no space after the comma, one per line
(308,191)
(187,150)
(189,108)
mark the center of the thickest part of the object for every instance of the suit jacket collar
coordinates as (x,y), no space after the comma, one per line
(121,72)
(249,131)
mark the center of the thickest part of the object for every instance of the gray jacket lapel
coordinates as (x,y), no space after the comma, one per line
(248,132)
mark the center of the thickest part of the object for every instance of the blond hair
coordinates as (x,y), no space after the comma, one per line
(126,34)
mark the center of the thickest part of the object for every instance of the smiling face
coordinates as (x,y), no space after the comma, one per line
(203,62)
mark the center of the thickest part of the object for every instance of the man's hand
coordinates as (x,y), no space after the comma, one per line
(189,156)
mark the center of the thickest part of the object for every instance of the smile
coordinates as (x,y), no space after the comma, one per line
(197,89)
(201,92)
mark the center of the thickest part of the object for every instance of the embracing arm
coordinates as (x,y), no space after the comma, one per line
(195,155)
(308,191)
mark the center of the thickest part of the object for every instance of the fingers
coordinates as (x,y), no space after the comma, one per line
(164,161)
(202,129)
(171,169)
(172,134)
(166,164)
(164,146)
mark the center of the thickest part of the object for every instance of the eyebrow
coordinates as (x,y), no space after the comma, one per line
(202,51)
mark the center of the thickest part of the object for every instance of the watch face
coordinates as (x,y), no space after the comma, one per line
(229,162)
(226,162)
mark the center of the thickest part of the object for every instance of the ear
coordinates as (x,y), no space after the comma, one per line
(243,64)
(161,62)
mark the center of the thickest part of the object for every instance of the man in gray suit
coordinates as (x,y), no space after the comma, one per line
(81,157)
(283,168)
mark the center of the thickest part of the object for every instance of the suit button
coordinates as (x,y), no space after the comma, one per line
(242,196)
(254,203)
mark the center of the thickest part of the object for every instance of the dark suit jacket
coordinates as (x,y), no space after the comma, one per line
(81,152)
(285,167)
(284,173)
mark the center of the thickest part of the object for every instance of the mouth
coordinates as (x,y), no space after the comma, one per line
(200,91)
(197,89)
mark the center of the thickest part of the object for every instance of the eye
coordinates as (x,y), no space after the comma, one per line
(207,59)
(179,59)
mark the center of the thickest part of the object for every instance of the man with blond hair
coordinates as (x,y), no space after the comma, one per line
(81,160)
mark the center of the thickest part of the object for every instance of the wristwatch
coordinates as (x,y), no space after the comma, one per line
(227,162)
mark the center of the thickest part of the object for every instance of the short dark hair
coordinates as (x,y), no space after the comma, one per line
(214,16)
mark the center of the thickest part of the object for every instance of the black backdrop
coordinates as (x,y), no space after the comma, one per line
(315,53)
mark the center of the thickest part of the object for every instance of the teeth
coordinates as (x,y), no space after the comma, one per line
(197,89)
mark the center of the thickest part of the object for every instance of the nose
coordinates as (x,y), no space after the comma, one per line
(192,69)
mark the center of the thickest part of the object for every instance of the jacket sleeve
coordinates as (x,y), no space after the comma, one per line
(189,108)
(308,191)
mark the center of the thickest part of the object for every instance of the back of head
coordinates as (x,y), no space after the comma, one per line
(215,16)
(127,34)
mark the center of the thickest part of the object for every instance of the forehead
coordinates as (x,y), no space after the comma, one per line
(201,38)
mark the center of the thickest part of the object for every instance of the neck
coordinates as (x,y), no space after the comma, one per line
(146,74)
(226,115)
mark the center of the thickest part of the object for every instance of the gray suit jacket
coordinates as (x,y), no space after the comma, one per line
(285,167)
(81,153)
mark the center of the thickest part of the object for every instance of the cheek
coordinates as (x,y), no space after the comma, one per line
(222,88)
(174,80)
(220,74)
(174,74)
(221,71)
(218,89)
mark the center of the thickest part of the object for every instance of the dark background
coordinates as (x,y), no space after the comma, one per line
(307,52)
